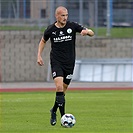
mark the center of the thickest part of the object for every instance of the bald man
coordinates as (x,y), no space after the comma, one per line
(62,35)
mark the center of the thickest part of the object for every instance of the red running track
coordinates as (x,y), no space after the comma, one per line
(69,89)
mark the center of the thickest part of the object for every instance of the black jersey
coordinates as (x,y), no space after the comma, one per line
(63,41)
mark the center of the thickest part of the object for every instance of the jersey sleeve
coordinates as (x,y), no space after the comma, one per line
(46,35)
(78,27)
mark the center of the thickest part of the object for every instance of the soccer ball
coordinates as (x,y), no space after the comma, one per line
(68,120)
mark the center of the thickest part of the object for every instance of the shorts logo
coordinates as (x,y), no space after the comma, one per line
(69,30)
(54,74)
(69,76)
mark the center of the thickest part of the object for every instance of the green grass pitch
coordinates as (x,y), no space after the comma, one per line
(107,111)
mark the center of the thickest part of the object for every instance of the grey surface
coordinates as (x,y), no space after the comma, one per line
(72,85)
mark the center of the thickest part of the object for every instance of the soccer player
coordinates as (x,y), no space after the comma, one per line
(62,35)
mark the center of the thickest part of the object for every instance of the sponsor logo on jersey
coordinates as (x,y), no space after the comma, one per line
(63,38)
(69,30)
(61,33)
(69,76)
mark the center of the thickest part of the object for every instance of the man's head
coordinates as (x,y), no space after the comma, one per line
(61,15)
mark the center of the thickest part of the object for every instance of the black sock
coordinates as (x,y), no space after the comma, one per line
(60,100)
(55,107)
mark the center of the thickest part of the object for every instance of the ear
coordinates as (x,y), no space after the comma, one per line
(56,16)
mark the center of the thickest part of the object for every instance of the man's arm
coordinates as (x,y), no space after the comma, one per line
(88,32)
(40,49)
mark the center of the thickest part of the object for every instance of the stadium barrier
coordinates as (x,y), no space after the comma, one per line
(101,70)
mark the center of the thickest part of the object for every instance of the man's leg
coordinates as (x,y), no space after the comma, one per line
(65,86)
(58,83)
(59,100)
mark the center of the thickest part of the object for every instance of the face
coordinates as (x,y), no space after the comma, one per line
(62,16)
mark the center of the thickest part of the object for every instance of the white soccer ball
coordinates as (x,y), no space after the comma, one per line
(68,120)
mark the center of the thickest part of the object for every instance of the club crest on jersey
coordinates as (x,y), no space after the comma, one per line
(69,30)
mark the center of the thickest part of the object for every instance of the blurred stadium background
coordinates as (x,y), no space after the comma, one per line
(107,57)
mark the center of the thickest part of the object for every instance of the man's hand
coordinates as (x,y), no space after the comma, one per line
(40,61)
(88,32)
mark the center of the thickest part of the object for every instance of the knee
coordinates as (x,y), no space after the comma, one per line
(65,86)
(59,88)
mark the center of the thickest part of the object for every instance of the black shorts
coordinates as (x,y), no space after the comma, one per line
(63,70)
